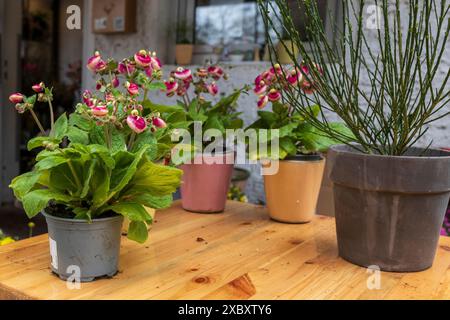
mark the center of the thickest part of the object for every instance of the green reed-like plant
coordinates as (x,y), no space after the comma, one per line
(405,94)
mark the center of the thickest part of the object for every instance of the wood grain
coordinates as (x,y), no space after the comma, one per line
(240,254)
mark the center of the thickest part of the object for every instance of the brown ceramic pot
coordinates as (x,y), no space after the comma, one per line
(205,186)
(389,210)
(292,193)
(183,54)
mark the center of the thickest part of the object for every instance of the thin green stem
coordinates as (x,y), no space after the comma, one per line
(41,128)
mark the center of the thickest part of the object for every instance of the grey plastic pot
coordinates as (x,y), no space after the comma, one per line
(389,210)
(82,249)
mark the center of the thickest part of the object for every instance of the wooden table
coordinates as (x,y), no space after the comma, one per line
(240,254)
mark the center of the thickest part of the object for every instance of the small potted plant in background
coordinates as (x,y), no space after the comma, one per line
(184,48)
(209,164)
(237,55)
(96,167)
(390,196)
(292,192)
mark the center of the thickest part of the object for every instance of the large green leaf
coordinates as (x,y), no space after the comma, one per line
(87,178)
(288,145)
(62,180)
(138,232)
(21,185)
(36,201)
(131,210)
(157,180)
(60,128)
(76,135)
(149,200)
(100,183)
(39,142)
(51,162)
(81,122)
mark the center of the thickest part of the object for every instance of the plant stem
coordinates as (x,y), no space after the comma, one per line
(107,136)
(74,173)
(131,142)
(41,128)
(52,115)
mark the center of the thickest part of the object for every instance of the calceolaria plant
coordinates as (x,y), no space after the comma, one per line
(196,91)
(102,159)
(295,133)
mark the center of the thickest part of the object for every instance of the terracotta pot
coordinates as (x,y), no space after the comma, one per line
(183,53)
(283,56)
(205,186)
(126,221)
(389,210)
(292,193)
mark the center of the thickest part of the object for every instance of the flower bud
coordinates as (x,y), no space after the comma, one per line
(159,123)
(39,88)
(143,59)
(137,124)
(133,89)
(16,98)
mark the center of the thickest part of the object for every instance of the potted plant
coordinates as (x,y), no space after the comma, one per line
(184,47)
(390,196)
(237,56)
(96,166)
(207,162)
(292,191)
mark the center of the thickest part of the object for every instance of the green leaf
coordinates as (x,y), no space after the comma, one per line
(100,184)
(60,128)
(76,135)
(87,179)
(36,201)
(153,107)
(39,142)
(62,180)
(157,180)
(51,162)
(21,185)
(81,122)
(131,210)
(288,145)
(138,232)
(269,118)
(153,86)
(150,201)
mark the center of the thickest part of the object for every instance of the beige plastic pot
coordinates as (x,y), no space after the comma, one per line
(183,54)
(292,192)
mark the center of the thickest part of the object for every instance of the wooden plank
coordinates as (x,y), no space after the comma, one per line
(240,254)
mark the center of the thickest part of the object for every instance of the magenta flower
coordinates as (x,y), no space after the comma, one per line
(263,101)
(149,71)
(171,87)
(159,123)
(261,88)
(156,63)
(95,63)
(99,111)
(294,77)
(213,89)
(216,72)
(274,95)
(137,123)
(125,68)
(16,98)
(133,89)
(115,82)
(182,74)
(39,88)
(143,59)
(87,98)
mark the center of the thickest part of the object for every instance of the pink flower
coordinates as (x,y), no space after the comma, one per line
(308,87)
(99,111)
(133,89)
(149,71)
(182,74)
(95,63)
(87,98)
(260,89)
(98,85)
(156,63)
(171,87)
(39,88)
(16,98)
(213,89)
(137,123)
(294,77)
(143,59)
(109,97)
(216,72)
(263,101)
(125,68)
(274,95)
(159,123)
(115,82)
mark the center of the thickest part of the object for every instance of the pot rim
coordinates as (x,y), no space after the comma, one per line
(340,150)
(79,221)
(216,154)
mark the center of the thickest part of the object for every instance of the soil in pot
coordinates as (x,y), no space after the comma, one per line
(389,210)
(292,193)
(84,250)
(205,186)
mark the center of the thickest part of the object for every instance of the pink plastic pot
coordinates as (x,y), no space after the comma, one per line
(205,186)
